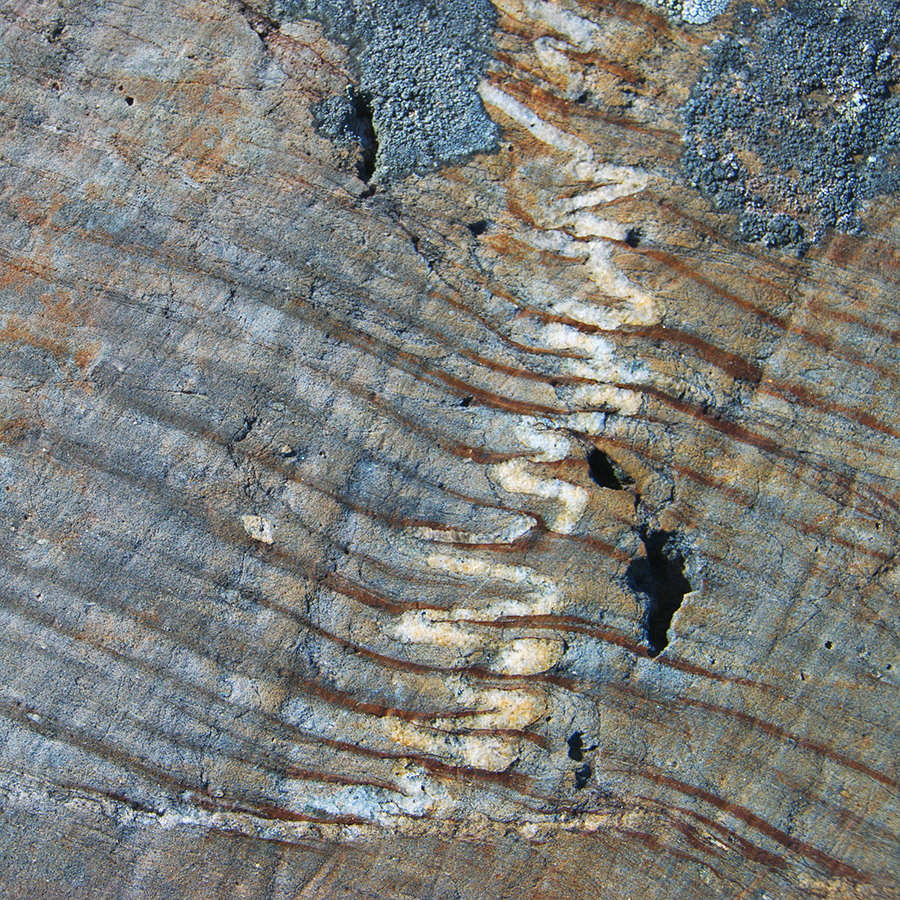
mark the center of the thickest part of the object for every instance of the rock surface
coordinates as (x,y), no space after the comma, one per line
(506,530)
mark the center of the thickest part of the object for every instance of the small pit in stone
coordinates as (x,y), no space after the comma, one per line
(659,576)
(634,236)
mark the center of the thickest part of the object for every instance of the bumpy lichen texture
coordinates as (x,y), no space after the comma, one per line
(694,12)
(418,65)
(794,125)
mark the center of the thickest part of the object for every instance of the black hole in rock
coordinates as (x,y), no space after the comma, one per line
(660,576)
(582,776)
(57,30)
(129,101)
(828,645)
(244,430)
(576,746)
(634,236)
(605,473)
(479,227)
(466,401)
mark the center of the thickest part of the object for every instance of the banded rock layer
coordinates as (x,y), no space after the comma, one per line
(508,530)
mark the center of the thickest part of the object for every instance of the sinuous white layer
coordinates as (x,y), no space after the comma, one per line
(544,437)
(528,656)
(516,477)
(492,709)
(506,534)
(492,753)
(418,627)
(471,565)
(575,228)
(543,131)
(581,32)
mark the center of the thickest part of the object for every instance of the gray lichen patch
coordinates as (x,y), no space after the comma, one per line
(418,64)
(796,122)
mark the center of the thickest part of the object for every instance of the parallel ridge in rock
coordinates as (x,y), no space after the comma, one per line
(309,579)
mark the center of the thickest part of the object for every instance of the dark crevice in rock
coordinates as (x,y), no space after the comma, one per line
(261,24)
(244,430)
(582,776)
(368,143)
(660,577)
(576,746)
(429,253)
(346,120)
(605,472)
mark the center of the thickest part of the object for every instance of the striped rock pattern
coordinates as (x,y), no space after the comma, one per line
(334,513)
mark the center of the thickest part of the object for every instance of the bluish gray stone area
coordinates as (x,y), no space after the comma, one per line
(796,121)
(418,64)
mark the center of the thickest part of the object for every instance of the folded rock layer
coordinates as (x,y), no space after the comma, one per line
(507,529)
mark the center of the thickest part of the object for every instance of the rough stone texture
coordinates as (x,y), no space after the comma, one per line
(505,531)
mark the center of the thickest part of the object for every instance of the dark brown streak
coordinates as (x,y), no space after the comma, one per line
(732,364)
(753,722)
(745,436)
(749,850)
(795,845)
(515,780)
(40,723)
(789,738)
(655,844)
(576,625)
(277,764)
(814,338)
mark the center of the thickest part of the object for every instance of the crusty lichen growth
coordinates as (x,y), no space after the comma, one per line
(694,12)
(418,64)
(795,123)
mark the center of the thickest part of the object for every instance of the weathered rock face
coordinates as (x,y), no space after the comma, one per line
(506,530)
